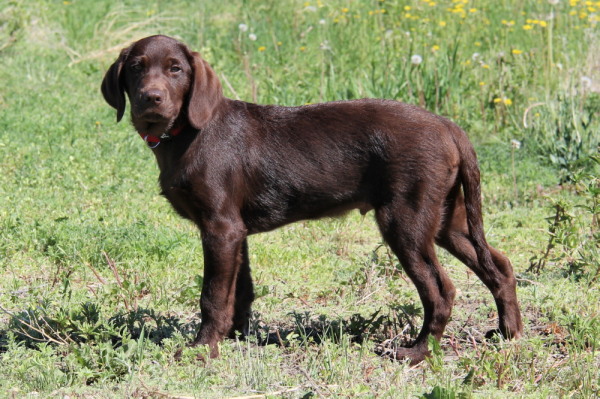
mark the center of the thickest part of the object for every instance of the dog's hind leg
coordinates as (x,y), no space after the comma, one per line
(410,232)
(455,238)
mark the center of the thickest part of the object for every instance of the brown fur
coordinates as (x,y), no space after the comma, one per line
(238,169)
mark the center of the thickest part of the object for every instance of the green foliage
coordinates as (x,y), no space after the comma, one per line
(574,231)
(564,132)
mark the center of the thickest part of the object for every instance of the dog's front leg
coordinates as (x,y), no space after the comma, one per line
(222,242)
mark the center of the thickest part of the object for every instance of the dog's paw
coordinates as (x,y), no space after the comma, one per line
(178,356)
(414,355)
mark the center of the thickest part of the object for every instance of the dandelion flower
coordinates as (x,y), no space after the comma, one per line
(553,2)
(262,48)
(322,22)
(516,144)
(517,51)
(416,59)
(586,82)
(243,27)
(252,37)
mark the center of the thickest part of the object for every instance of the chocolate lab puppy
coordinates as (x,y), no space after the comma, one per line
(236,168)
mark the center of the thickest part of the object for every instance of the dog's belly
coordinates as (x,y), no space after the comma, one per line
(266,218)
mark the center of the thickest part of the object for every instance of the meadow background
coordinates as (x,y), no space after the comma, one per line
(101,280)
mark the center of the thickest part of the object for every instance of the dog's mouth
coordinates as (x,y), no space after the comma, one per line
(152,122)
(154,117)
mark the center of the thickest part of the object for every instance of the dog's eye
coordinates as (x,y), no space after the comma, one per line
(137,67)
(175,69)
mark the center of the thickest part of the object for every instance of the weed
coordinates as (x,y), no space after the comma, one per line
(564,133)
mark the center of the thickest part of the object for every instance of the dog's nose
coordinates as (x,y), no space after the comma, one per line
(153,96)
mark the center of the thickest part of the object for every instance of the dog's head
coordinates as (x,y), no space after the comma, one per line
(165,83)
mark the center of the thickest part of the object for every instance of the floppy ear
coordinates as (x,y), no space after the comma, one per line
(112,87)
(205,92)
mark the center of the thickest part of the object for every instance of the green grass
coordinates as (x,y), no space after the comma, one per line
(101,279)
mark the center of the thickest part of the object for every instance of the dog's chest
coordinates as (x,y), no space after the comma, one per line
(176,189)
(180,200)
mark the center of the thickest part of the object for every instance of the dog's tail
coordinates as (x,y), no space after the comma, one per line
(470,179)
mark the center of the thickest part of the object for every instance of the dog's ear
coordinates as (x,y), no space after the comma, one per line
(112,86)
(205,92)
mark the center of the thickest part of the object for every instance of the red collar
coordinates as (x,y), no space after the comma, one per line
(154,141)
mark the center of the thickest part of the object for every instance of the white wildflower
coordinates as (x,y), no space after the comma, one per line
(586,82)
(252,37)
(516,144)
(553,2)
(416,59)
(322,22)
(243,27)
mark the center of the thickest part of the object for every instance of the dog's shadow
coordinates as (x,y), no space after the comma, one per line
(85,325)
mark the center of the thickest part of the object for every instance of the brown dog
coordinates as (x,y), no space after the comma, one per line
(236,168)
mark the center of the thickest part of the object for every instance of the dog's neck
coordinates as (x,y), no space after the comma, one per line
(153,141)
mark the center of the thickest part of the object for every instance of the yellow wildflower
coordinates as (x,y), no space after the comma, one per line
(527,27)
(506,101)
(517,51)
(262,48)
(442,23)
